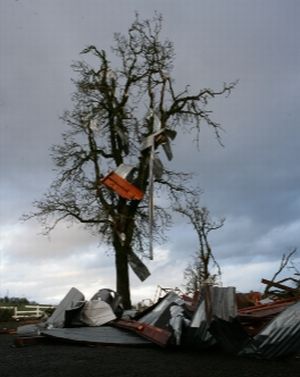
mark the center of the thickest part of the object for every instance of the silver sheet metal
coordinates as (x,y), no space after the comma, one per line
(151,202)
(110,296)
(124,170)
(198,333)
(73,298)
(153,317)
(169,315)
(97,335)
(96,313)
(158,168)
(280,337)
(176,322)
(139,268)
(216,302)
(224,302)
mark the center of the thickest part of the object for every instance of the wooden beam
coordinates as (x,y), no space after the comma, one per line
(277,285)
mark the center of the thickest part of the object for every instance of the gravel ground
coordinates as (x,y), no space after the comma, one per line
(52,359)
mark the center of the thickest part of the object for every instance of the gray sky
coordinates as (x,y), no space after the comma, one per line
(253,182)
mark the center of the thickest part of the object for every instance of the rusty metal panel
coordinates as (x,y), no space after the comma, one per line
(154,334)
(266,310)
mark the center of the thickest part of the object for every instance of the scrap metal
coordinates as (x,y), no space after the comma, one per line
(155,334)
(281,337)
(119,181)
(138,266)
(97,335)
(162,137)
(262,330)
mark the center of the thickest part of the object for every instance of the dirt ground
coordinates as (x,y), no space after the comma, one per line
(52,359)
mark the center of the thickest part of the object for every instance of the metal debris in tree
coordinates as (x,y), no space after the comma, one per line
(138,266)
(161,137)
(120,181)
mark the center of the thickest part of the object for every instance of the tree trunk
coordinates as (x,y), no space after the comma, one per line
(122,273)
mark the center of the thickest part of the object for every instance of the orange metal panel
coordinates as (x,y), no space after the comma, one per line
(122,187)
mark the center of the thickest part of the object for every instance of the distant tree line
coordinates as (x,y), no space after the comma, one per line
(20,302)
(15,301)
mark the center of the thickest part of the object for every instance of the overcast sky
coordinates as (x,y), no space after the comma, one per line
(253,182)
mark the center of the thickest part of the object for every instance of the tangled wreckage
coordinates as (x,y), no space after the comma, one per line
(241,324)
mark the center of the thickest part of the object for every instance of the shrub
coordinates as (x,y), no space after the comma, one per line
(6,314)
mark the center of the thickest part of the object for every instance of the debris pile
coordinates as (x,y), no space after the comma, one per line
(242,324)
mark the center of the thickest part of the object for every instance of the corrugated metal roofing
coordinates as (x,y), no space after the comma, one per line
(282,335)
(160,315)
(215,302)
(73,299)
(93,335)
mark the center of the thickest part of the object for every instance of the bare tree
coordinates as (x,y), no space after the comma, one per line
(286,259)
(117,110)
(200,270)
(292,266)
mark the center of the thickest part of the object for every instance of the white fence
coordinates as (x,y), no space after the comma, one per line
(35,311)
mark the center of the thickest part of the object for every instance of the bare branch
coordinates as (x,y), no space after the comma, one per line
(285,259)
